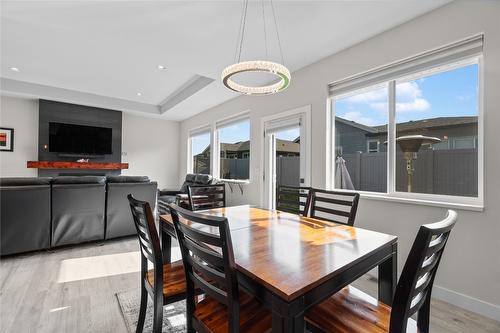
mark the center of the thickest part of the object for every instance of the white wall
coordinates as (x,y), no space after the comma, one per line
(470,271)
(151,147)
(22,115)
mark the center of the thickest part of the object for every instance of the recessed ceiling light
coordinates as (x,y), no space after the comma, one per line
(161,67)
(14,69)
(139,94)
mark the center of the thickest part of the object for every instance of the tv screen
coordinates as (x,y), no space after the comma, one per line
(79,139)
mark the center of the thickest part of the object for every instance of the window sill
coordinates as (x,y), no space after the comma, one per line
(425,202)
(236,181)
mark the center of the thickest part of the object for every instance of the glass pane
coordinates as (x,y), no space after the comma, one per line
(200,151)
(235,151)
(360,135)
(287,171)
(437,133)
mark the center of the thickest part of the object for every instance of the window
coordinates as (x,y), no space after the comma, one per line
(234,147)
(372,146)
(359,117)
(412,130)
(431,109)
(200,152)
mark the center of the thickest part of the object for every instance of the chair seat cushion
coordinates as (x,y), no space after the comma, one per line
(174,280)
(351,310)
(253,316)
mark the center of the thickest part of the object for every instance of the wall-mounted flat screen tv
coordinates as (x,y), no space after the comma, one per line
(79,139)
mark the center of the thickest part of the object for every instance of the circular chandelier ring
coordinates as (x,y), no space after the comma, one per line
(256,66)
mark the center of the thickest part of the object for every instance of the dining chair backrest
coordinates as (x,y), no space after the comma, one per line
(334,206)
(413,292)
(207,196)
(293,199)
(207,254)
(148,240)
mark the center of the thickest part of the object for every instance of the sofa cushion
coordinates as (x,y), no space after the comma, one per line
(24,181)
(190,178)
(79,180)
(203,179)
(127,179)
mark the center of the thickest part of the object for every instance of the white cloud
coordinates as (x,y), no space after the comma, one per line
(358,118)
(418,104)
(409,98)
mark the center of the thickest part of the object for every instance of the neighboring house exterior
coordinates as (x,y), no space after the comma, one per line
(454,132)
(241,149)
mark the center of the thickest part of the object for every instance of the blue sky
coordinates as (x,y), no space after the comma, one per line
(445,94)
(230,134)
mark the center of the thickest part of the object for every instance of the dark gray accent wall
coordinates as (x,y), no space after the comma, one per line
(51,111)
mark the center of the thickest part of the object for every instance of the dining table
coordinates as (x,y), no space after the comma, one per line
(291,262)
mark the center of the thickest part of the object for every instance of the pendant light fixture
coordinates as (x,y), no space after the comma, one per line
(257,66)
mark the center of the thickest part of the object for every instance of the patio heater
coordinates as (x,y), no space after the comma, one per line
(410,145)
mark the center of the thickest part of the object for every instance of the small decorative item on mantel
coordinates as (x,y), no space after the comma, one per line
(6,139)
(83,160)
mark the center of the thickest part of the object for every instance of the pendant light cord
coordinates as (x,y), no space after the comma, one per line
(241,34)
(277,32)
(265,32)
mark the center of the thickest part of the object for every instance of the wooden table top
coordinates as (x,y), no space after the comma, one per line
(292,254)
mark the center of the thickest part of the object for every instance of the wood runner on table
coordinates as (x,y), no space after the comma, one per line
(291,262)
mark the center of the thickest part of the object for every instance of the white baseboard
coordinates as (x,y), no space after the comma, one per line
(466,302)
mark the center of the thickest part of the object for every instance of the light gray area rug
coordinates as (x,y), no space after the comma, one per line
(174,315)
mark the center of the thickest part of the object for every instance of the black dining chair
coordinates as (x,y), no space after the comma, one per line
(293,199)
(351,310)
(207,253)
(334,206)
(206,196)
(165,283)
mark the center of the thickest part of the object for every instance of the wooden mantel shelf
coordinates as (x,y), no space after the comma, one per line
(76,165)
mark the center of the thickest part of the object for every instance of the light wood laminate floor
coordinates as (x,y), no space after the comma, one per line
(73,290)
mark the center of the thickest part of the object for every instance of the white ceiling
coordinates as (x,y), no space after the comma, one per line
(113,48)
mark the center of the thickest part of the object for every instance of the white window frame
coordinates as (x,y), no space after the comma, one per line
(460,202)
(368,150)
(454,140)
(224,122)
(193,133)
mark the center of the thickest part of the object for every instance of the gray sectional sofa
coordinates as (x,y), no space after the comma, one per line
(119,221)
(40,213)
(24,214)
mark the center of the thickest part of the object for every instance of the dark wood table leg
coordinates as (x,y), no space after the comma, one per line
(387,277)
(288,324)
(286,319)
(166,246)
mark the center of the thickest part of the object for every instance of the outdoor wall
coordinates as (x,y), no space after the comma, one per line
(470,271)
(22,116)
